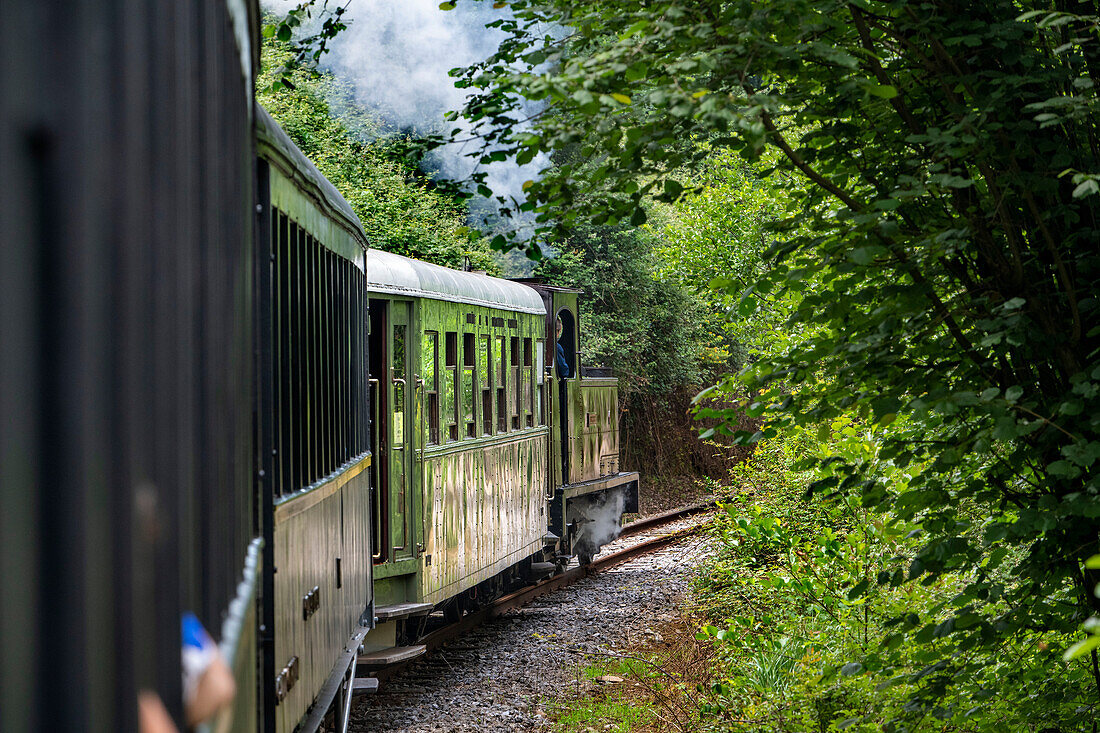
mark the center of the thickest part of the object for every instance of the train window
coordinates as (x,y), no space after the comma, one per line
(450,386)
(517,384)
(398,408)
(318,309)
(399,419)
(469,355)
(469,359)
(540,381)
(430,365)
(485,374)
(502,385)
(528,383)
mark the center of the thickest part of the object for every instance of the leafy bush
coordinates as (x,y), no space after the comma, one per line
(948,235)
(810,591)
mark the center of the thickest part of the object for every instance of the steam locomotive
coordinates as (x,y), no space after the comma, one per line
(218,400)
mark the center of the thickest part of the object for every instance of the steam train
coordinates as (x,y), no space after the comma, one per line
(217,399)
(480,465)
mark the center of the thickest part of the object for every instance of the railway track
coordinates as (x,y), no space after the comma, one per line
(654,533)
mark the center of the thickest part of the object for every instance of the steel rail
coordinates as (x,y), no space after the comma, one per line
(656,520)
(523,596)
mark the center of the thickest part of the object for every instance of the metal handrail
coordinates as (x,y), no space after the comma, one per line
(379,553)
(420,453)
(404,469)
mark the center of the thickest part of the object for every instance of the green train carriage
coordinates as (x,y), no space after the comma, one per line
(489,462)
(459,404)
(313,433)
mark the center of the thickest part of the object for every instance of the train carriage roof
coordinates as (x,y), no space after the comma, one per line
(394,274)
(278,148)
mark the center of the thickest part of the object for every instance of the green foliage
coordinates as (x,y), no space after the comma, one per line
(713,241)
(305,51)
(813,633)
(941,263)
(646,330)
(612,708)
(401,211)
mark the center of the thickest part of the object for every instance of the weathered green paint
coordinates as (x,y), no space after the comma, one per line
(329,519)
(476,497)
(485,513)
(593,428)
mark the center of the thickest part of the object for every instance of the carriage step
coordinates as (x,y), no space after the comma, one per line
(543,569)
(402,610)
(365,686)
(393,655)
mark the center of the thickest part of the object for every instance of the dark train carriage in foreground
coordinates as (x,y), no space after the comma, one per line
(127,296)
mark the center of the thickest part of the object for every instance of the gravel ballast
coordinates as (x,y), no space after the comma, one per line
(495,678)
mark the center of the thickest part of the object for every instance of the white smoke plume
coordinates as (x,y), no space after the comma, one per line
(396,57)
(598,518)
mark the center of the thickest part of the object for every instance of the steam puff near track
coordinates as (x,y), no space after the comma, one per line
(598,519)
(397,56)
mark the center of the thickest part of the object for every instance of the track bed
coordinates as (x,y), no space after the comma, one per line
(494,677)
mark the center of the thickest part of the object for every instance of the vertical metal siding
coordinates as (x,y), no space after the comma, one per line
(125,411)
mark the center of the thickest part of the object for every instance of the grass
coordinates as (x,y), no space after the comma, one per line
(658,692)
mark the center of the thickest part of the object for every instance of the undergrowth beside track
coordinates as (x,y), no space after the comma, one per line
(792,626)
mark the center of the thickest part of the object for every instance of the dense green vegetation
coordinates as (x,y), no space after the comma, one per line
(653,332)
(650,316)
(400,208)
(933,264)
(812,633)
(790,599)
(896,204)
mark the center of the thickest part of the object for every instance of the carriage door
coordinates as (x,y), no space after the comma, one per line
(378,359)
(391,403)
(402,423)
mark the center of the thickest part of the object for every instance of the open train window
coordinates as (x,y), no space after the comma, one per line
(317,312)
(539,384)
(567,339)
(450,386)
(485,373)
(517,384)
(528,383)
(502,385)
(430,360)
(469,360)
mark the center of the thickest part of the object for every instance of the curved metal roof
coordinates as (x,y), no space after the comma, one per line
(392,273)
(301,170)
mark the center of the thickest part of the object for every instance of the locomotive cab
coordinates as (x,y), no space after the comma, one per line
(590,494)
